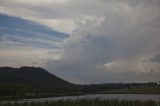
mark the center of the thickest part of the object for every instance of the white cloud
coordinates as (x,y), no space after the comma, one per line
(116,48)
(27,56)
(42,11)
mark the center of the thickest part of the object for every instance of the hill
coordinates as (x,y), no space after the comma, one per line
(30,76)
(37,82)
(24,80)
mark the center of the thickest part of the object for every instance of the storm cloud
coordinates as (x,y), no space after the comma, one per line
(109,41)
(116,45)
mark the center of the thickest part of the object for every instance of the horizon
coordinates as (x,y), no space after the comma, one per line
(83,41)
(102,83)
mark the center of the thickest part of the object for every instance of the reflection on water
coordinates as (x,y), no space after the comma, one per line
(142,97)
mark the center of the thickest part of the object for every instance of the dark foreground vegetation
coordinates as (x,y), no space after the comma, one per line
(85,102)
(31,82)
(28,82)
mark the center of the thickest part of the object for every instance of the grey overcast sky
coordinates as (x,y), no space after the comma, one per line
(83,41)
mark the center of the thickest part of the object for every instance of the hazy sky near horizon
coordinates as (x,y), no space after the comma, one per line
(83,41)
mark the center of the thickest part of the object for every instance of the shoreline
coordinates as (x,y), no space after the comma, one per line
(16,98)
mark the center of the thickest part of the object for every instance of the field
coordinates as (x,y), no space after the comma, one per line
(85,102)
(143,90)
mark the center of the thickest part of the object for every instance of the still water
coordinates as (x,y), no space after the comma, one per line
(142,97)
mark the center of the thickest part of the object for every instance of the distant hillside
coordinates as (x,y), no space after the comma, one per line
(37,82)
(36,77)
(32,76)
(32,82)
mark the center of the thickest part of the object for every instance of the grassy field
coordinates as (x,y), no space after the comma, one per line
(133,90)
(86,102)
(146,90)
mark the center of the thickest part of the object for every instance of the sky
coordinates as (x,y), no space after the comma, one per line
(83,41)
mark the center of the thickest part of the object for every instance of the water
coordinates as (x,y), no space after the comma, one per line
(142,97)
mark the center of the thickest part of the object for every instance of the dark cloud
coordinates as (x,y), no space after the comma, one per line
(156,58)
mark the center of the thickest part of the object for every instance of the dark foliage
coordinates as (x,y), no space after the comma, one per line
(27,80)
(37,82)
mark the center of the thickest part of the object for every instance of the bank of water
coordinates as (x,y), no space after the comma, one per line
(141,97)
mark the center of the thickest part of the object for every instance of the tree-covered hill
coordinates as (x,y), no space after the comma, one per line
(37,77)
(27,80)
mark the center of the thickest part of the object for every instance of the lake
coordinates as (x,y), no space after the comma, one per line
(142,97)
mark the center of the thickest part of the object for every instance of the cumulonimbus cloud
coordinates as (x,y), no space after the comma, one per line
(109,40)
(115,46)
